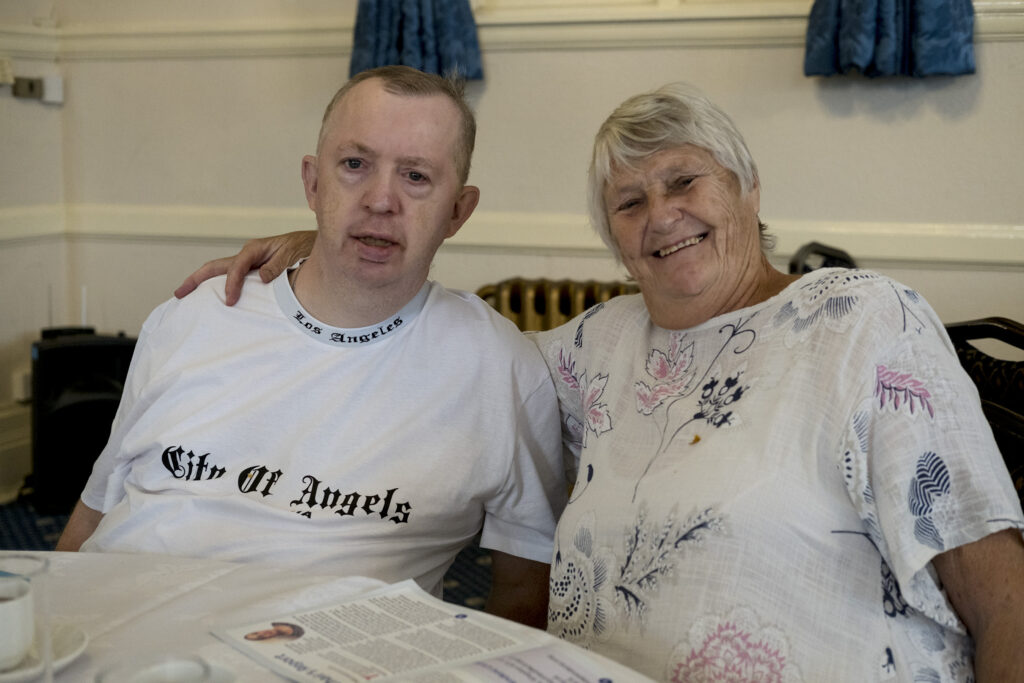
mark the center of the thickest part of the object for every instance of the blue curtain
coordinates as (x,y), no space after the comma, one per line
(890,37)
(436,36)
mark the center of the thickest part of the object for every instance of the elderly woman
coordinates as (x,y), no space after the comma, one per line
(781,478)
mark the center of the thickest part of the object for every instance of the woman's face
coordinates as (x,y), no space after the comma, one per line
(685,231)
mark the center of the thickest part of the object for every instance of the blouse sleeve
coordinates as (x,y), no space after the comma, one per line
(556,346)
(921,464)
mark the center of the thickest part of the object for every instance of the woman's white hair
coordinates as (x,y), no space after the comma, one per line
(674,115)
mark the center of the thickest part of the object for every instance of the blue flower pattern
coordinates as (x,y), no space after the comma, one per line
(931,482)
(931,479)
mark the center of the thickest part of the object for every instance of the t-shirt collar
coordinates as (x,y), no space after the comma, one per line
(339,336)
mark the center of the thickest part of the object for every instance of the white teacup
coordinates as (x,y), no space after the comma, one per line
(17,614)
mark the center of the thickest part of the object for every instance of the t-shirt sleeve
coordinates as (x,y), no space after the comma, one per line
(921,463)
(521,518)
(105,486)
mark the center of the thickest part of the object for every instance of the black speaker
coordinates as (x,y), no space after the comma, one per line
(77,380)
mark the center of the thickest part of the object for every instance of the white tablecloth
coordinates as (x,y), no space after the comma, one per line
(137,604)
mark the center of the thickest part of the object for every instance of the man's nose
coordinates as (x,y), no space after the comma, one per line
(379,195)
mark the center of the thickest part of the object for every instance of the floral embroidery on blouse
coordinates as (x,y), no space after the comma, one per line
(855,475)
(714,408)
(911,321)
(821,301)
(734,649)
(592,589)
(675,377)
(892,597)
(900,388)
(927,498)
(596,418)
(898,395)
(652,552)
(672,372)
(580,609)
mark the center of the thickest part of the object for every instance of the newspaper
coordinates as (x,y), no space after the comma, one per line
(402,633)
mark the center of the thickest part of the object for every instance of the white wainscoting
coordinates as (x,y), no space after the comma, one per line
(922,243)
(964,270)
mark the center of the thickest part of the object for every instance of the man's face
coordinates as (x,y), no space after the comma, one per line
(385,188)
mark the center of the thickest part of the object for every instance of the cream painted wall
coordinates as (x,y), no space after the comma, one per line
(184,123)
(106,13)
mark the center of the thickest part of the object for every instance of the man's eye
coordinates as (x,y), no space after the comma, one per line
(417,177)
(352,163)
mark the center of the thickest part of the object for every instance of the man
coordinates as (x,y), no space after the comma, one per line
(350,416)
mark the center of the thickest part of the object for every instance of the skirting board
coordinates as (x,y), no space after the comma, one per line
(995,245)
(15,449)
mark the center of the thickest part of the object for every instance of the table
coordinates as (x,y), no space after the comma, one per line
(136,604)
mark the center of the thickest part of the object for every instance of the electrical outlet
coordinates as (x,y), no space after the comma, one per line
(31,88)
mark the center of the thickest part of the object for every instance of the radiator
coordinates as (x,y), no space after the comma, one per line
(544,304)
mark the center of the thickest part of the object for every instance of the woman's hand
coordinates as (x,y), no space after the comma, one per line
(270,254)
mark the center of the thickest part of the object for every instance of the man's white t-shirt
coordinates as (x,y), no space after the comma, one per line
(258,433)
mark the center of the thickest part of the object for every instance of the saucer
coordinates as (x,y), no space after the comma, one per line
(219,675)
(68,642)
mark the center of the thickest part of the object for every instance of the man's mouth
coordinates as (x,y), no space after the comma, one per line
(375,241)
(662,253)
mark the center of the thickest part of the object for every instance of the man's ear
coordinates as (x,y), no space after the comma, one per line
(467,200)
(309,179)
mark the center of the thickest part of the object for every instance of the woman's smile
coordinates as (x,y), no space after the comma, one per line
(662,253)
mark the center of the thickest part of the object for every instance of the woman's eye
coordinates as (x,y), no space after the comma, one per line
(682,182)
(628,204)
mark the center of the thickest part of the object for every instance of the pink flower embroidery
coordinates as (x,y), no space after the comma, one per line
(900,387)
(669,369)
(596,415)
(598,419)
(733,655)
(567,370)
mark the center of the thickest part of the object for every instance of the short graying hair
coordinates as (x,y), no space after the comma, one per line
(404,80)
(674,115)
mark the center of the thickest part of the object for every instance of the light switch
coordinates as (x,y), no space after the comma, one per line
(53,89)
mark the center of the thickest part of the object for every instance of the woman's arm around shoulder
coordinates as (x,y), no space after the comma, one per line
(270,254)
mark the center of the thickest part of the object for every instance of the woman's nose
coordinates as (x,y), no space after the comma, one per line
(665,211)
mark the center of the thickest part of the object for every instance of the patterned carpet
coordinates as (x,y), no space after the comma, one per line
(22,529)
(466,583)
